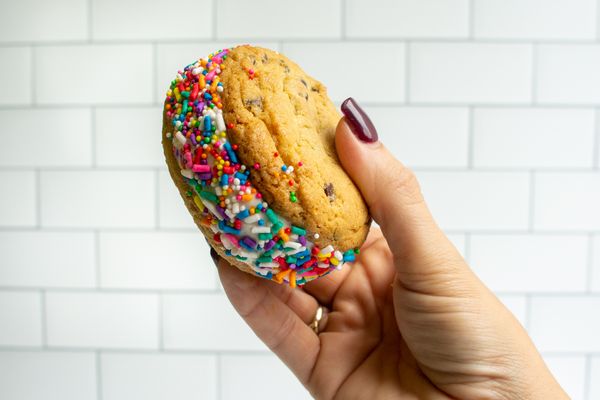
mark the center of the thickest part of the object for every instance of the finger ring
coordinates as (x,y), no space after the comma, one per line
(318,317)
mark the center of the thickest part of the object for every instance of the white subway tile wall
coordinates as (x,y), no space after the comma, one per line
(107,290)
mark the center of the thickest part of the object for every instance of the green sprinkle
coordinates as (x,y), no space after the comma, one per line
(298,231)
(276,226)
(291,260)
(209,196)
(265,236)
(189,193)
(185,94)
(272,216)
(264,259)
(293,198)
(185,107)
(357,250)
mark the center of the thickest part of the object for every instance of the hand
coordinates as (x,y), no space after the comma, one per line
(408,319)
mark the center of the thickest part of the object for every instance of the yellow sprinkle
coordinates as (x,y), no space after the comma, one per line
(334,261)
(198,202)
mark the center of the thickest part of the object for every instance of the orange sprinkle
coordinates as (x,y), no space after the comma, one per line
(247,197)
(292,279)
(280,275)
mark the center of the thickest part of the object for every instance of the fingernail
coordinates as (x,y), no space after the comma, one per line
(359,121)
(214,255)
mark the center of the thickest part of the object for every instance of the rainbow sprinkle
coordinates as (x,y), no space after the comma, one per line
(221,187)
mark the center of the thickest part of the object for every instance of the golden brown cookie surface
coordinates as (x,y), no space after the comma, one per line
(276,108)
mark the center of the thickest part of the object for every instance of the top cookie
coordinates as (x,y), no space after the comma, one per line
(282,118)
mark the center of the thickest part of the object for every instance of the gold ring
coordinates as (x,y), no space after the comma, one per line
(318,316)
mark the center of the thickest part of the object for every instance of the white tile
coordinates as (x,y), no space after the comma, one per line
(95,74)
(98,198)
(278,19)
(15,74)
(535,19)
(129,137)
(533,138)
(341,68)
(156,261)
(595,263)
(594,379)
(565,323)
(47,259)
(172,212)
(41,21)
(569,371)
(567,201)
(470,72)
(46,137)
(20,319)
(171,58)
(153,376)
(477,200)
(424,136)
(102,320)
(531,263)
(47,375)
(407,18)
(517,305)
(185,324)
(118,19)
(238,368)
(17,202)
(568,74)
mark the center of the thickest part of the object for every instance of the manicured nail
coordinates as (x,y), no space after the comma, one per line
(359,121)
(215,256)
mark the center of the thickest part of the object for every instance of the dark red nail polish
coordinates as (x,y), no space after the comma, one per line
(359,121)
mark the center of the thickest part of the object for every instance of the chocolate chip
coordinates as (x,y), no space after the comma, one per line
(329,191)
(314,89)
(285,66)
(304,82)
(254,102)
(265,58)
(306,97)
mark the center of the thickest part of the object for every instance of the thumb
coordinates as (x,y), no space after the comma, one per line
(393,196)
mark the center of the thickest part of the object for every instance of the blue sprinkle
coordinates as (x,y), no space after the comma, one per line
(349,257)
(261,222)
(283,167)
(224,179)
(207,123)
(243,214)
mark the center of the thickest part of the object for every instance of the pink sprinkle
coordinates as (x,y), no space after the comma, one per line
(201,168)
(238,197)
(258,196)
(233,239)
(210,75)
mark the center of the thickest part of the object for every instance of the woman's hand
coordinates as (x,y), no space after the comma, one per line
(408,319)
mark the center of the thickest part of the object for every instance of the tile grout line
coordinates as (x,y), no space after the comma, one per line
(94,144)
(215,16)
(534,63)
(219,369)
(33,77)
(468,248)
(90,20)
(531,219)
(99,393)
(343,7)
(528,305)
(596,149)
(156,199)
(597,20)
(44,325)
(471,139)
(97,258)
(38,198)
(161,340)
(154,72)
(471,35)
(587,382)
(407,51)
